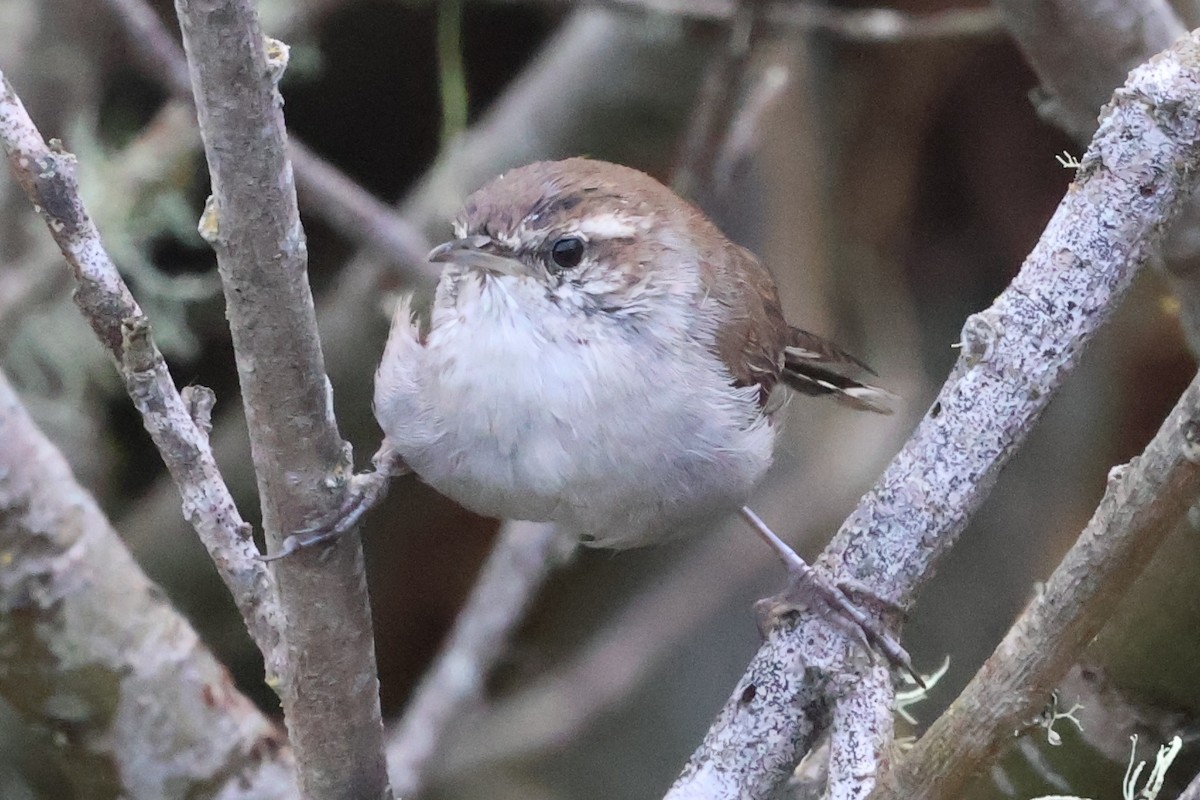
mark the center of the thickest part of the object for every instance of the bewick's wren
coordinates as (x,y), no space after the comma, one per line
(599,355)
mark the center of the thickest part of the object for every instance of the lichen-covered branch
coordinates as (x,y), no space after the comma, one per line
(47,175)
(860,743)
(1140,167)
(328,681)
(1144,502)
(91,651)
(1081,51)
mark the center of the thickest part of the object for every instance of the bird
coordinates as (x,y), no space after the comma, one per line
(599,355)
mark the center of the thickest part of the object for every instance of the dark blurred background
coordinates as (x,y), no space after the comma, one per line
(893,187)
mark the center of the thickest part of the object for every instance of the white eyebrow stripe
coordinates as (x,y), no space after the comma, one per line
(607,226)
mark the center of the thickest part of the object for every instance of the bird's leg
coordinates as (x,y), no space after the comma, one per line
(363,492)
(805,581)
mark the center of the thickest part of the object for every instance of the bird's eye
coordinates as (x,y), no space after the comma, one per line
(567,252)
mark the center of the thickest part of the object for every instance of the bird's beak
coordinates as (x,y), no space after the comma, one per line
(476,252)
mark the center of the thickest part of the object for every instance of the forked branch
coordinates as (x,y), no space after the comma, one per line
(1140,166)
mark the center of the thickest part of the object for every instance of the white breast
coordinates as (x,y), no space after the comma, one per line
(526,410)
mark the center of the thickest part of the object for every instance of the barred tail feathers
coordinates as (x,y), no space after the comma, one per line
(814,366)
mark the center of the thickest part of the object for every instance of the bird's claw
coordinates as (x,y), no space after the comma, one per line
(807,590)
(364,491)
(806,585)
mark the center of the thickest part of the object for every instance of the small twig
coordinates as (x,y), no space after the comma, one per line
(1144,501)
(47,174)
(717,102)
(741,138)
(1141,164)
(524,556)
(157,715)
(328,683)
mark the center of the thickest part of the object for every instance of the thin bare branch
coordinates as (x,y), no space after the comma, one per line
(328,683)
(47,174)
(152,44)
(156,715)
(863,25)
(718,101)
(352,211)
(1144,501)
(742,135)
(1140,166)
(359,216)
(525,554)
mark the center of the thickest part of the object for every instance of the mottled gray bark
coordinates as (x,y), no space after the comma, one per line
(1144,502)
(1140,167)
(92,653)
(327,681)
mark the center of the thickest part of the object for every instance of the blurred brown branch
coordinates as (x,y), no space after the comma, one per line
(865,25)
(523,556)
(717,105)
